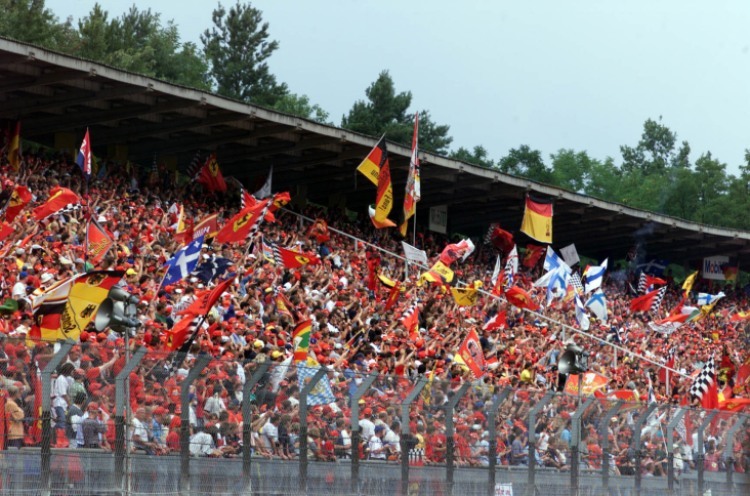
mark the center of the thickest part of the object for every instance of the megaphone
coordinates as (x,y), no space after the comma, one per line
(119,294)
(114,314)
(573,360)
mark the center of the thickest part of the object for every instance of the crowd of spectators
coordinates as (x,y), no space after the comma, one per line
(352,334)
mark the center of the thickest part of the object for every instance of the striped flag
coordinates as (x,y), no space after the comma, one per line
(301,340)
(537,219)
(377,170)
(184,328)
(511,267)
(84,156)
(410,320)
(413,189)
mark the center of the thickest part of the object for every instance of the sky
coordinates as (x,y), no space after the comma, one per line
(582,75)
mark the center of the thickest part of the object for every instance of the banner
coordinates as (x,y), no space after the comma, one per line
(713,267)
(439,219)
(504,489)
(570,254)
(413,254)
(591,382)
(470,354)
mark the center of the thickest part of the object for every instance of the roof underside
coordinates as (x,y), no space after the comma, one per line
(51,93)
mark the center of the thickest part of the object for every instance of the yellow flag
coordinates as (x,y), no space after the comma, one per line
(466,297)
(687,286)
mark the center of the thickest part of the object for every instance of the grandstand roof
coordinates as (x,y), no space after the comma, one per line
(53,93)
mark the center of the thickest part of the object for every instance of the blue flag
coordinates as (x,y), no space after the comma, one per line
(213,268)
(183,262)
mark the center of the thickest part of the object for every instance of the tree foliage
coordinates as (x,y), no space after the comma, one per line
(237,48)
(387,112)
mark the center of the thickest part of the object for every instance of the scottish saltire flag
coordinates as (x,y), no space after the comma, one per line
(558,284)
(593,276)
(581,317)
(84,156)
(213,268)
(552,261)
(183,262)
(655,266)
(708,299)
(597,303)
(321,393)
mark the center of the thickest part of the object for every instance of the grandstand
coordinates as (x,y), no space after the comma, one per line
(389,411)
(138,118)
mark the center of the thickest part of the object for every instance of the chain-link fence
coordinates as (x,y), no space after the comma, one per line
(100,420)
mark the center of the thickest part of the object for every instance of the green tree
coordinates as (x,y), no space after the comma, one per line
(300,105)
(571,170)
(523,161)
(656,150)
(31,21)
(237,49)
(138,42)
(387,112)
(478,156)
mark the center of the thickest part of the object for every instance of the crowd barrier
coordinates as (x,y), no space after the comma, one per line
(441,437)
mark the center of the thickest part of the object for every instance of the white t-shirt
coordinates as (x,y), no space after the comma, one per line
(374,446)
(19,290)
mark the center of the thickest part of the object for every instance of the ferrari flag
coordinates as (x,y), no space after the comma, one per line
(59,199)
(98,242)
(238,227)
(211,177)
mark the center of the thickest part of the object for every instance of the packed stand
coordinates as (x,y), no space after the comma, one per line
(352,334)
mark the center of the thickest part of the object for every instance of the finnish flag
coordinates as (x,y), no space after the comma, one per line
(581,317)
(598,305)
(707,299)
(552,261)
(593,276)
(183,262)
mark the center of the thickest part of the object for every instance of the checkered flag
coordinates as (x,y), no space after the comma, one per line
(642,284)
(703,380)
(194,167)
(657,300)
(575,281)
(254,229)
(68,209)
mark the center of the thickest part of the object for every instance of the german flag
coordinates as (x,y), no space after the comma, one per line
(371,165)
(301,340)
(68,307)
(537,219)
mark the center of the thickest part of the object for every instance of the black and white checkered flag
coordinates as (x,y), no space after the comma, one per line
(642,284)
(254,229)
(659,297)
(703,380)
(488,236)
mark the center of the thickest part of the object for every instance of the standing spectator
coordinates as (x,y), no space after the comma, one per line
(375,446)
(14,418)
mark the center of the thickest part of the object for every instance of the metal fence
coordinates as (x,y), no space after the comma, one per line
(156,425)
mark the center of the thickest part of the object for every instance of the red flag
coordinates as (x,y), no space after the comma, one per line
(206,300)
(20,197)
(278,201)
(208,227)
(283,305)
(532,255)
(5,230)
(238,227)
(246,199)
(710,399)
(185,227)
(501,239)
(644,303)
(410,321)
(211,177)
(177,335)
(471,354)
(393,296)
(98,242)
(498,321)
(455,251)
(373,262)
(520,298)
(292,259)
(59,198)
(319,229)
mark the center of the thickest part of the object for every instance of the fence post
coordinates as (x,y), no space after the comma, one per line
(356,431)
(531,483)
(728,448)
(46,451)
(492,427)
(603,429)
(637,428)
(406,432)
(303,426)
(576,443)
(701,449)
(247,420)
(450,406)
(120,402)
(670,447)
(200,363)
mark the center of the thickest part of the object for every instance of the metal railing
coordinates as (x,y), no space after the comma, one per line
(282,429)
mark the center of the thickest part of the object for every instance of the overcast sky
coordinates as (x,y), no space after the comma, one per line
(548,73)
